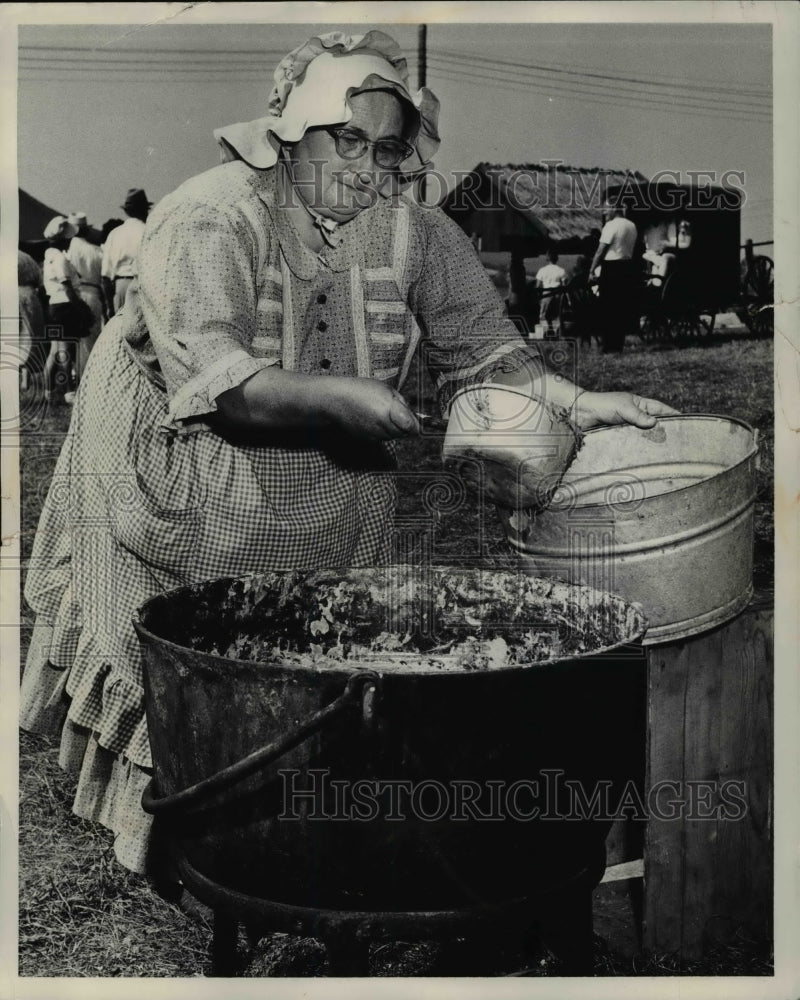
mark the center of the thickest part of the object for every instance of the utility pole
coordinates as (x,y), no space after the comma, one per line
(422,76)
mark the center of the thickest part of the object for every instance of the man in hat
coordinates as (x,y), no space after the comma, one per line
(87,260)
(121,250)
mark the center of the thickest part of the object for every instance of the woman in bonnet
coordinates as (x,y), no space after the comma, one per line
(238,414)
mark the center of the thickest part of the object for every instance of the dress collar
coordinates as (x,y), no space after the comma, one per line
(303,262)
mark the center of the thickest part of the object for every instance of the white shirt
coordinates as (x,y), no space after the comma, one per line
(86,259)
(620,236)
(57,273)
(121,250)
(658,261)
(551,276)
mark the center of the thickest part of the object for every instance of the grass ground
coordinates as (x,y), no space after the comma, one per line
(81,914)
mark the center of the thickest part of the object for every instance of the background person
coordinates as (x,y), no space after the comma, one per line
(239,413)
(660,264)
(32,340)
(108,226)
(549,278)
(68,319)
(108,285)
(619,280)
(121,249)
(87,259)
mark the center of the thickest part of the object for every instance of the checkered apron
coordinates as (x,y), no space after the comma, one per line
(132,511)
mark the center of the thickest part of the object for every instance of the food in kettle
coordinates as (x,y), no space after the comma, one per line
(414,619)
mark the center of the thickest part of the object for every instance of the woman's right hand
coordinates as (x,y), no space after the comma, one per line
(274,399)
(367,408)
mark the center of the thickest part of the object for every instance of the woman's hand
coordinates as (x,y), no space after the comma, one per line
(274,400)
(593,408)
(368,408)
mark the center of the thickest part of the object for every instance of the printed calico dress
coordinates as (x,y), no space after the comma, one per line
(147,496)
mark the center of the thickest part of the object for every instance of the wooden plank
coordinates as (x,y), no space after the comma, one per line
(744,845)
(704,664)
(663,878)
(710,723)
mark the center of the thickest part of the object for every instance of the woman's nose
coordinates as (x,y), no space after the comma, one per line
(364,179)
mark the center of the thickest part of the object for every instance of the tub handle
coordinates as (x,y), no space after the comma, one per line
(361,685)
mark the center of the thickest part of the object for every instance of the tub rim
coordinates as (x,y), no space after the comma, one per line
(611,428)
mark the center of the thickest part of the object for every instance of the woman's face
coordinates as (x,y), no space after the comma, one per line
(340,188)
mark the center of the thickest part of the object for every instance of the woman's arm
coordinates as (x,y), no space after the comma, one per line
(274,399)
(587,408)
(199,295)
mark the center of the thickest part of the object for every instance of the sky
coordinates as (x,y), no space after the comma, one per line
(102,108)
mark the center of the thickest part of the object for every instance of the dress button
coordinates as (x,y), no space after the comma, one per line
(322,299)
(325,363)
(322,326)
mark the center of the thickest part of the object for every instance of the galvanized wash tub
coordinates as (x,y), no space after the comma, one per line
(387,718)
(662,516)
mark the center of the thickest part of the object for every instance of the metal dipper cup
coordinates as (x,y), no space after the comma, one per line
(512,447)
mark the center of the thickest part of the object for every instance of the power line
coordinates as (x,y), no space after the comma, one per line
(709,85)
(151,67)
(152,50)
(584,99)
(263,65)
(537,74)
(639,100)
(96,65)
(237,72)
(106,71)
(201,57)
(591,96)
(154,79)
(588,71)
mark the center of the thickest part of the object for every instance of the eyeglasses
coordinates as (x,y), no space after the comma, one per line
(387,153)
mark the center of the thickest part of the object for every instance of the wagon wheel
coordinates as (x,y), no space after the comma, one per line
(684,301)
(575,306)
(653,325)
(689,326)
(758,296)
(651,328)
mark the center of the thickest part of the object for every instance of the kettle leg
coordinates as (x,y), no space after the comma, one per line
(224,958)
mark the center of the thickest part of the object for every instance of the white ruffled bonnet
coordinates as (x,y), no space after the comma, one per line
(312,87)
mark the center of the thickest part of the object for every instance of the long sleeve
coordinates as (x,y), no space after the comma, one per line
(198,288)
(467,334)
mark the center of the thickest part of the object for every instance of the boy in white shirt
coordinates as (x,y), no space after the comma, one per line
(548,278)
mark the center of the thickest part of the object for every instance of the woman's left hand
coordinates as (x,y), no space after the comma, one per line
(594,408)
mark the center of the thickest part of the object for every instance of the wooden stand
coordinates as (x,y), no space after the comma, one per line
(708,855)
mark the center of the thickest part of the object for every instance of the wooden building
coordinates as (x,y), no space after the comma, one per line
(527,209)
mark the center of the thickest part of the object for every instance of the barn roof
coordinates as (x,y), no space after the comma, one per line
(559,201)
